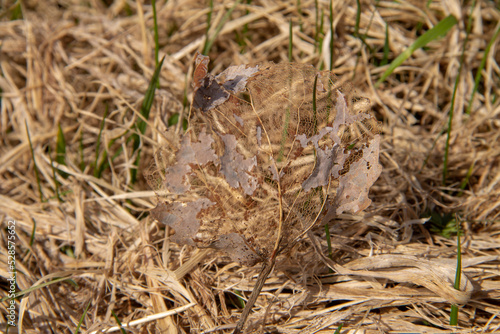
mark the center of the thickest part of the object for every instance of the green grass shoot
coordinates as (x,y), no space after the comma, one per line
(362,38)
(358,18)
(242,37)
(479,73)
(442,224)
(453,97)
(141,121)
(155,30)
(240,302)
(35,167)
(209,24)
(15,10)
(77,329)
(316,26)
(290,41)
(466,179)
(39,286)
(435,33)
(122,330)
(454,308)
(385,59)
(33,232)
(332,36)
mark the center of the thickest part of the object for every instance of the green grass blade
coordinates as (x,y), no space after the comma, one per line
(362,38)
(453,98)
(467,177)
(155,30)
(141,122)
(60,146)
(436,32)
(454,308)
(240,302)
(332,36)
(210,41)
(77,329)
(385,60)
(316,25)
(36,287)
(35,167)
(16,12)
(358,18)
(209,25)
(118,322)
(290,41)
(241,38)
(480,69)
(33,232)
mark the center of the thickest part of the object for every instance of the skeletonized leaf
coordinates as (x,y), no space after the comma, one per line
(258,164)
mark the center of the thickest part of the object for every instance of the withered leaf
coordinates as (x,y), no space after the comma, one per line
(235,167)
(352,193)
(189,153)
(259,165)
(183,218)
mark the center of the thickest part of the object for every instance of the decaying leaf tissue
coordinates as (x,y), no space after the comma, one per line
(269,150)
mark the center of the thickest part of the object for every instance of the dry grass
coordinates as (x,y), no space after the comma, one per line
(69,64)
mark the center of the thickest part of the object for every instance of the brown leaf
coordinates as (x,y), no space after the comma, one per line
(352,194)
(182,217)
(189,153)
(259,164)
(235,167)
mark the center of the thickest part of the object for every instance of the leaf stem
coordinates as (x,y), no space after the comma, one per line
(261,279)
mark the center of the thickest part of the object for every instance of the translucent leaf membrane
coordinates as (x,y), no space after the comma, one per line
(259,165)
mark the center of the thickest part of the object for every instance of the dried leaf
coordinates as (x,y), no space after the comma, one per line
(235,167)
(259,164)
(352,194)
(183,218)
(189,153)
